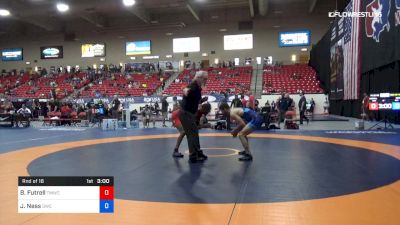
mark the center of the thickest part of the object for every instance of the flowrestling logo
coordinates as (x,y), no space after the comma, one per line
(354,14)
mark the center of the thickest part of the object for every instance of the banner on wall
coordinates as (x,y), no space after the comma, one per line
(142,100)
(345,61)
(380,35)
(169,65)
(137,100)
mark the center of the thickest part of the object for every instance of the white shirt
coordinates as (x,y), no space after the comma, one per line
(24,111)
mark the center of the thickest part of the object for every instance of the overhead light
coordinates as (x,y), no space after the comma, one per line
(204,54)
(223,30)
(102,59)
(168,34)
(4,12)
(61,7)
(133,58)
(28,63)
(151,57)
(168,56)
(129,3)
(294,58)
(304,49)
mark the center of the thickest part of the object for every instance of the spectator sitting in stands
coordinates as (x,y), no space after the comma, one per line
(97,94)
(7,107)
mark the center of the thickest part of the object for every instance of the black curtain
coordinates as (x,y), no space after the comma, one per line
(380,63)
(349,108)
(381,80)
(320,60)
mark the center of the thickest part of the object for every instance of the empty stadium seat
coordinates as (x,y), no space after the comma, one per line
(291,79)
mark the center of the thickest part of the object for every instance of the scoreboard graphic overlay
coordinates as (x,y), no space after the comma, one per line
(65,194)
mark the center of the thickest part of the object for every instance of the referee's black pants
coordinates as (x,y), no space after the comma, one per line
(303,116)
(189,125)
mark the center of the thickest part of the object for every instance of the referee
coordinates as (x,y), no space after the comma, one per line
(190,104)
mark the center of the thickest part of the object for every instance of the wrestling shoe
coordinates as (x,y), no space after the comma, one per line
(196,160)
(177,155)
(246,157)
(242,153)
(200,154)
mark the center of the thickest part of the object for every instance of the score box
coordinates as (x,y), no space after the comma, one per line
(65,194)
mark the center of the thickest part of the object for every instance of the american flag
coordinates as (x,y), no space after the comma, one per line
(351,52)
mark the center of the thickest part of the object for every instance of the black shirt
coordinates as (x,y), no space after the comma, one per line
(302,100)
(284,104)
(116,104)
(191,101)
(236,103)
(164,105)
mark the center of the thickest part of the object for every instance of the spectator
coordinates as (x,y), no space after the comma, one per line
(326,106)
(312,106)
(156,108)
(7,107)
(244,101)
(236,103)
(302,108)
(283,106)
(365,107)
(23,114)
(146,114)
(66,113)
(115,107)
(164,109)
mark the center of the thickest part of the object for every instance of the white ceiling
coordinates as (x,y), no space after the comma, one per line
(38,16)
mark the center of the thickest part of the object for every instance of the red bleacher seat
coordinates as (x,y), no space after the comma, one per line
(120,84)
(219,80)
(278,79)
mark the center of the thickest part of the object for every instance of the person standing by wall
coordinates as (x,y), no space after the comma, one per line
(115,107)
(365,107)
(236,103)
(164,110)
(326,106)
(302,108)
(190,104)
(282,105)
